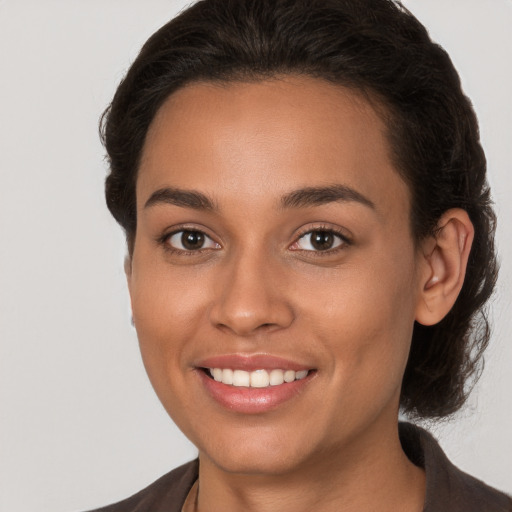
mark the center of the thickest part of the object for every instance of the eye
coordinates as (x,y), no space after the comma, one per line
(190,240)
(319,240)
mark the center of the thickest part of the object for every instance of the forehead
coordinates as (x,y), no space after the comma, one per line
(264,138)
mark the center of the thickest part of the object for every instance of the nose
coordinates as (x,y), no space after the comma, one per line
(251,297)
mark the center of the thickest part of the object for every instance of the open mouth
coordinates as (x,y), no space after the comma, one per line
(255,379)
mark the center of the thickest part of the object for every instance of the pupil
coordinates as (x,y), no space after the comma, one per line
(192,239)
(322,240)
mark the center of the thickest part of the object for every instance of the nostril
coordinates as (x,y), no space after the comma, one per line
(246,314)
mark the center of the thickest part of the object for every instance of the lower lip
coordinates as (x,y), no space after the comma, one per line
(253,400)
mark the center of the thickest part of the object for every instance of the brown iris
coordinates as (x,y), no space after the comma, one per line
(322,240)
(192,240)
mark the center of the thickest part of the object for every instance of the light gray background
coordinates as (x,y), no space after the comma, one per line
(79,424)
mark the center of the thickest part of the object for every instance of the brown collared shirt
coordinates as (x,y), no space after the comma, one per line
(448,488)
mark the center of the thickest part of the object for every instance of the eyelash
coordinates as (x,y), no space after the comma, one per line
(345,241)
(164,241)
(341,235)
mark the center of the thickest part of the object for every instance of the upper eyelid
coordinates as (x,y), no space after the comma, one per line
(172,233)
(344,234)
(342,240)
(335,233)
(186,227)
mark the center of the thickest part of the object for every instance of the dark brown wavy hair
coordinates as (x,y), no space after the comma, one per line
(374,46)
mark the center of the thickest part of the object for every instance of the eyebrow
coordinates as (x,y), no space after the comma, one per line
(179,197)
(300,198)
(316,196)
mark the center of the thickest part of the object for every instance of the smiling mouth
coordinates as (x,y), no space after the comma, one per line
(256,378)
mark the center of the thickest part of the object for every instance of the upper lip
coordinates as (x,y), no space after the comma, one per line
(251,362)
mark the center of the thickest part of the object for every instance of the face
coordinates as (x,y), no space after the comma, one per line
(274,278)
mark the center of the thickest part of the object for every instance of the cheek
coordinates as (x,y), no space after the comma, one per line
(168,307)
(364,318)
(167,311)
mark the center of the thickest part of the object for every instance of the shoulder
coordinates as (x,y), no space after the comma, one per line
(167,494)
(448,488)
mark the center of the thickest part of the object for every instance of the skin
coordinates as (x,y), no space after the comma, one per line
(258,287)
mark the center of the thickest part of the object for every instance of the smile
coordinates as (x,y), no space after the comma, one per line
(254,384)
(257,378)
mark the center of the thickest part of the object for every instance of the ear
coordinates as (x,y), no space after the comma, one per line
(444,261)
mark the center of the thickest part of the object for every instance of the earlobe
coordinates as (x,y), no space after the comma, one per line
(445,257)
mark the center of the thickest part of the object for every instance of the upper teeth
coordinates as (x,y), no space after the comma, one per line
(257,378)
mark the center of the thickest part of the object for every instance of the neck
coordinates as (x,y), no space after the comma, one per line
(371,473)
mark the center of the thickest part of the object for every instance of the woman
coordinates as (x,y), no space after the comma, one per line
(310,245)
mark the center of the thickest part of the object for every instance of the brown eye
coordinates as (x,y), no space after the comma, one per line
(189,240)
(322,240)
(319,240)
(192,240)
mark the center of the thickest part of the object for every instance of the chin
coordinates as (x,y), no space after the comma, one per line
(260,462)
(263,453)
